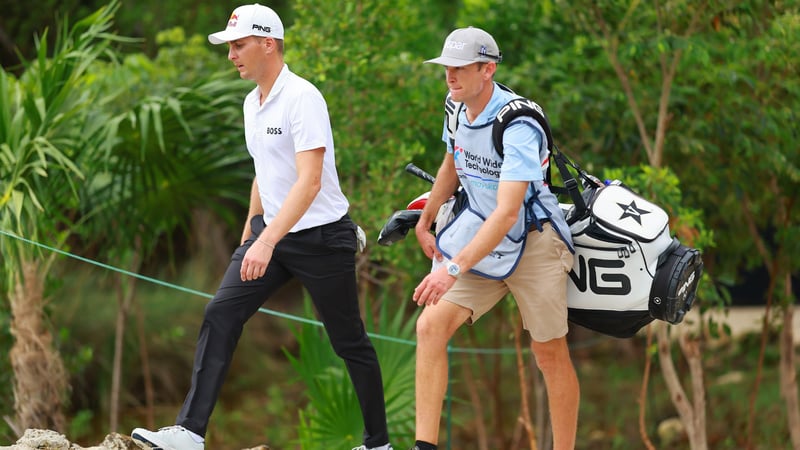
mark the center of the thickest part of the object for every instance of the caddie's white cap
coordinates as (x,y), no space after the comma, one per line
(466,46)
(250,20)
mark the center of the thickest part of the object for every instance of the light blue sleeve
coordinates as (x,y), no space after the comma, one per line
(522,145)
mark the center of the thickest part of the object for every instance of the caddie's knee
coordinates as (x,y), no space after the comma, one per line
(432,330)
(551,355)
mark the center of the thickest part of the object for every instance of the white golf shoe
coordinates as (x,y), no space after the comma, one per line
(168,438)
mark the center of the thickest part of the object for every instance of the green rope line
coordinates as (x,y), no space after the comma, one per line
(182,288)
(485,351)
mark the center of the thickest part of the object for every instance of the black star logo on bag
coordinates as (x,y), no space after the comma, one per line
(632,211)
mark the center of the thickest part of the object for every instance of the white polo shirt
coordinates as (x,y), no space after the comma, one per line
(294,118)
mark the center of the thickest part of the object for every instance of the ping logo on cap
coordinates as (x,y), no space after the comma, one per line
(261,28)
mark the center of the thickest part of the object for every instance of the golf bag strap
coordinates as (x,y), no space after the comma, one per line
(570,182)
(520,107)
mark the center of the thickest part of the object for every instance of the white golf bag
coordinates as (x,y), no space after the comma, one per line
(628,270)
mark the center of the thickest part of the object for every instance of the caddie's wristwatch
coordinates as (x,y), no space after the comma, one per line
(453,269)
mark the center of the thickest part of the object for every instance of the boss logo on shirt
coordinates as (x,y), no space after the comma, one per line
(273,130)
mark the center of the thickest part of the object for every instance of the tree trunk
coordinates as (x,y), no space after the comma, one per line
(116,372)
(147,375)
(693,354)
(695,426)
(124,299)
(788,374)
(648,358)
(40,380)
(481,435)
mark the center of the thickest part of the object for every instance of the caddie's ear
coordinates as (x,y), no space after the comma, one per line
(489,69)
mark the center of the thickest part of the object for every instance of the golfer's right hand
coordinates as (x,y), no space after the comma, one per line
(255,261)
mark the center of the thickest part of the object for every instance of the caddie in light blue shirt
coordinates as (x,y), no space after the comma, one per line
(511,238)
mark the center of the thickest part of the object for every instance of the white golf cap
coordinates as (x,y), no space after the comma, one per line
(250,20)
(466,46)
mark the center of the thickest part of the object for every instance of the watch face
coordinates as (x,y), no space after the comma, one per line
(453,269)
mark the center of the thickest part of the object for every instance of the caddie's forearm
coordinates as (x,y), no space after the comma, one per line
(485,240)
(510,197)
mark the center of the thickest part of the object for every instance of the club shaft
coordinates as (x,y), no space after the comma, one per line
(414,170)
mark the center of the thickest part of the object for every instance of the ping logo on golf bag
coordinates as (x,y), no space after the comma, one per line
(613,283)
(684,289)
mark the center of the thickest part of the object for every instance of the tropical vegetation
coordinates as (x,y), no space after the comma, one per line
(124,179)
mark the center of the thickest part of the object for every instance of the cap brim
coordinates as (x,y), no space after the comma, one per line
(449,61)
(225,36)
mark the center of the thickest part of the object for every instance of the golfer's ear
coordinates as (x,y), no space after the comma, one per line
(272,45)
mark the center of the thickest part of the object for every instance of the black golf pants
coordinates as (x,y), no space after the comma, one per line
(323,259)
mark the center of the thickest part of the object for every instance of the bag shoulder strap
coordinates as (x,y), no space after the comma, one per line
(523,107)
(519,107)
(452,109)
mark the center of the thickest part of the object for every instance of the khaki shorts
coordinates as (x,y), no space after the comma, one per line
(539,287)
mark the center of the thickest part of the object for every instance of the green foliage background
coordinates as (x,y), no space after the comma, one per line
(731,151)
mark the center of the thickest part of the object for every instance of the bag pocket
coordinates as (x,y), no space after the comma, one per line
(675,284)
(498,264)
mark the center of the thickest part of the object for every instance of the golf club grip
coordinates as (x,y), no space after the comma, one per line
(414,170)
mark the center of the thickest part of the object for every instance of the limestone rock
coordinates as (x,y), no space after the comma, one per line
(34,439)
